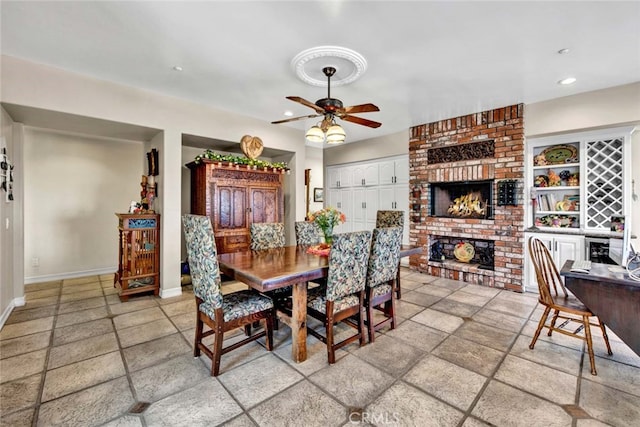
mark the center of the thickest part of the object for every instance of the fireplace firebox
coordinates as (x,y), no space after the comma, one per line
(462,199)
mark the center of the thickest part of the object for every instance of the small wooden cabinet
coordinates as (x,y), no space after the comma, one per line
(138,255)
(234,198)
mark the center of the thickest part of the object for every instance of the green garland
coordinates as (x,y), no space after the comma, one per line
(239,160)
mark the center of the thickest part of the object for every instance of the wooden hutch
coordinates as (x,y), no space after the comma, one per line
(234,197)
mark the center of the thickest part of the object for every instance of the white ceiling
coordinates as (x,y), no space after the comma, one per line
(427,60)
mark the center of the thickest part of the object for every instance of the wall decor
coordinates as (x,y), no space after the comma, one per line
(152,162)
(461,152)
(318,195)
(6,172)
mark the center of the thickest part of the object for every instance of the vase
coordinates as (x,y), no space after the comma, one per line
(328,234)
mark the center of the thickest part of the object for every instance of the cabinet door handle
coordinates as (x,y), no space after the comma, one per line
(555,246)
(365,205)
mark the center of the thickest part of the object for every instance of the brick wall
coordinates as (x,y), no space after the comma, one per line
(503,126)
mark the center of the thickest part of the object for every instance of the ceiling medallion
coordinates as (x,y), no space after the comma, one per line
(349,65)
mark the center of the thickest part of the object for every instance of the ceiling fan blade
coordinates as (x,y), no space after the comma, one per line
(360,121)
(362,108)
(295,118)
(306,103)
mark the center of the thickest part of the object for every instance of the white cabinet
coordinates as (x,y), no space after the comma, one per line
(394,172)
(339,177)
(396,198)
(365,208)
(365,175)
(562,248)
(342,199)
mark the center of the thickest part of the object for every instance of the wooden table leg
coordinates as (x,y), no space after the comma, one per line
(299,323)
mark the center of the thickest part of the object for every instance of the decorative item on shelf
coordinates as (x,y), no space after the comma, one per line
(464,251)
(327,219)
(554,178)
(435,252)
(231,160)
(558,154)
(540,160)
(533,195)
(557,221)
(617,223)
(564,176)
(251,146)
(573,180)
(541,181)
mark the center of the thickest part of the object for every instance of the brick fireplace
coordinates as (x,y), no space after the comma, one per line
(469,152)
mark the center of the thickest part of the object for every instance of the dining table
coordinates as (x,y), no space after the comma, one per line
(294,266)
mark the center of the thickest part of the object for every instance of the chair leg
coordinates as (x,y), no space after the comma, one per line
(605,336)
(247,330)
(217,351)
(198,338)
(553,322)
(587,333)
(329,329)
(369,309)
(269,324)
(391,309)
(543,319)
(398,291)
(361,326)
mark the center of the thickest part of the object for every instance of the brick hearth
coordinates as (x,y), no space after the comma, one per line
(484,146)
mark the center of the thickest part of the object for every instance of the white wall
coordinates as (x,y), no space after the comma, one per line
(314,161)
(375,148)
(7,293)
(74,184)
(59,90)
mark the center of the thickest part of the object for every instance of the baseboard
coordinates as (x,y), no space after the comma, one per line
(70,275)
(169,293)
(16,302)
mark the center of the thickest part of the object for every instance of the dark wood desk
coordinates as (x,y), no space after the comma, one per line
(613,297)
(278,268)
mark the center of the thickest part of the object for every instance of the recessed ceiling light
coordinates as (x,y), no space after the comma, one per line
(567,81)
(177,68)
(288,113)
(564,51)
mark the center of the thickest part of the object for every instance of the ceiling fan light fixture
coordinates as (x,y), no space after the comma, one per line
(315,134)
(335,134)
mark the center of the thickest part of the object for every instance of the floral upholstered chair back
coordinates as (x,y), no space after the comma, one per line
(203,259)
(385,255)
(389,219)
(308,233)
(267,235)
(348,264)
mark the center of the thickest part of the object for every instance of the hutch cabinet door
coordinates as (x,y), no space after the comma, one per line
(264,205)
(230,207)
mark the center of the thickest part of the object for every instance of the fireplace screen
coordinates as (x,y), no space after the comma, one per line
(462,199)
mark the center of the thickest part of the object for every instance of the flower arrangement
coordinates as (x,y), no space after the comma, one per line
(326,219)
(239,160)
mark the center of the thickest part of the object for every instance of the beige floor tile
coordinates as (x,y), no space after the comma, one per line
(241,421)
(152,352)
(86,287)
(538,379)
(392,356)
(554,356)
(486,335)
(455,308)
(20,329)
(438,320)
(80,295)
(139,334)
(32,295)
(36,313)
(609,405)
(503,405)
(163,379)
(434,290)
(77,376)
(613,374)
(25,344)
(475,357)
(107,401)
(19,394)
(39,302)
(80,280)
(469,298)
(72,333)
(418,335)
(180,307)
(499,320)
(481,290)
(136,318)
(403,405)
(22,365)
(207,403)
(85,304)
(259,380)
(22,418)
(284,409)
(442,379)
(365,385)
(184,321)
(125,421)
(316,356)
(406,309)
(82,350)
(119,307)
(42,285)
(75,317)
(421,299)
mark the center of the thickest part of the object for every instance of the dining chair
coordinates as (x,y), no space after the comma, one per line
(308,233)
(344,294)
(565,306)
(392,219)
(382,270)
(266,235)
(221,313)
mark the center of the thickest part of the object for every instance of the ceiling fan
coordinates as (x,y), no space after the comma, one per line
(332,107)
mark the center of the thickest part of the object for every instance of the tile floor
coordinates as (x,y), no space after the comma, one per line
(74,355)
